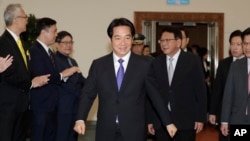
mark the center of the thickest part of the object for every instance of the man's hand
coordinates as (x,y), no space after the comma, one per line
(224,129)
(70,71)
(212,119)
(151,129)
(40,80)
(5,62)
(171,130)
(80,127)
(198,126)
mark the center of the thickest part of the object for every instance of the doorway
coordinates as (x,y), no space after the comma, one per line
(207,30)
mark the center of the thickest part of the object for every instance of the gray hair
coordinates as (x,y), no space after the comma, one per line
(10,13)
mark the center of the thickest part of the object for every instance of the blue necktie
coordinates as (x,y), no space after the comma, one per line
(119,78)
(120,74)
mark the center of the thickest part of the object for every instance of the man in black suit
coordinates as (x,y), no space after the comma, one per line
(69,91)
(15,82)
(44,99)
(185,40)
(184,94)
(236,52)
(121,111)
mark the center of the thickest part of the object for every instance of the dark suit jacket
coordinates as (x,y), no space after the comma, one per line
(129,103)
(218,87)
(236,97)
(187,93)
(43,99)
(15,81)
(71,89)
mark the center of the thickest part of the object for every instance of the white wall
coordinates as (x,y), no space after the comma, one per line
(87,20)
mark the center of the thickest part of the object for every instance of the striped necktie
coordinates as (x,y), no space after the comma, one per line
(51,56)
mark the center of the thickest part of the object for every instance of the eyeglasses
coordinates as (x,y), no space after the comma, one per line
(67,42)
(246,44)
(165,40)
(24,17)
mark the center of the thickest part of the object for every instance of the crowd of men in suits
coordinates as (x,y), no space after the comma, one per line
(165,96)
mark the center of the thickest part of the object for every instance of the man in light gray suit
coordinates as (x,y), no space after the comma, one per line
(236,99)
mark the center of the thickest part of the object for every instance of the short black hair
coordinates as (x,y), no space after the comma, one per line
(120,22)
(171,29)
(246,32)
(61,35)
(235,33)
(44,23)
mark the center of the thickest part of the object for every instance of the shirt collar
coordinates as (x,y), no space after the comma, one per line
(12,34)
(125,58)
(176,56)
(43,45)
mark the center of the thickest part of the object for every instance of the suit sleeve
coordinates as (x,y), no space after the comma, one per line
(227,97)
(88,94)
(200,92)
(217,92)
(157,102)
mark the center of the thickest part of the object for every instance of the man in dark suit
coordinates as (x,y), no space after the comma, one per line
(185,40)
(184,94)
(44,99)
(15,82)
(236,52)
(69,91)
(236,103)
(121,111)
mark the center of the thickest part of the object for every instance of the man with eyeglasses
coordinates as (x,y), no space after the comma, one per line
(181,82)
(236,98)
(69,91)
(15,81)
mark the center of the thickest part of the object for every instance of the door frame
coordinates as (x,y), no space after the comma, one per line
(139,17)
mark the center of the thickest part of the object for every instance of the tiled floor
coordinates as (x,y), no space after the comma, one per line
(210,133)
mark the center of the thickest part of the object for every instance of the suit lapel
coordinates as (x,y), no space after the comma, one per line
(163,68)
(44,52)
(243,70)
(111,72)
(16,50)
(180,65)
(130,71)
